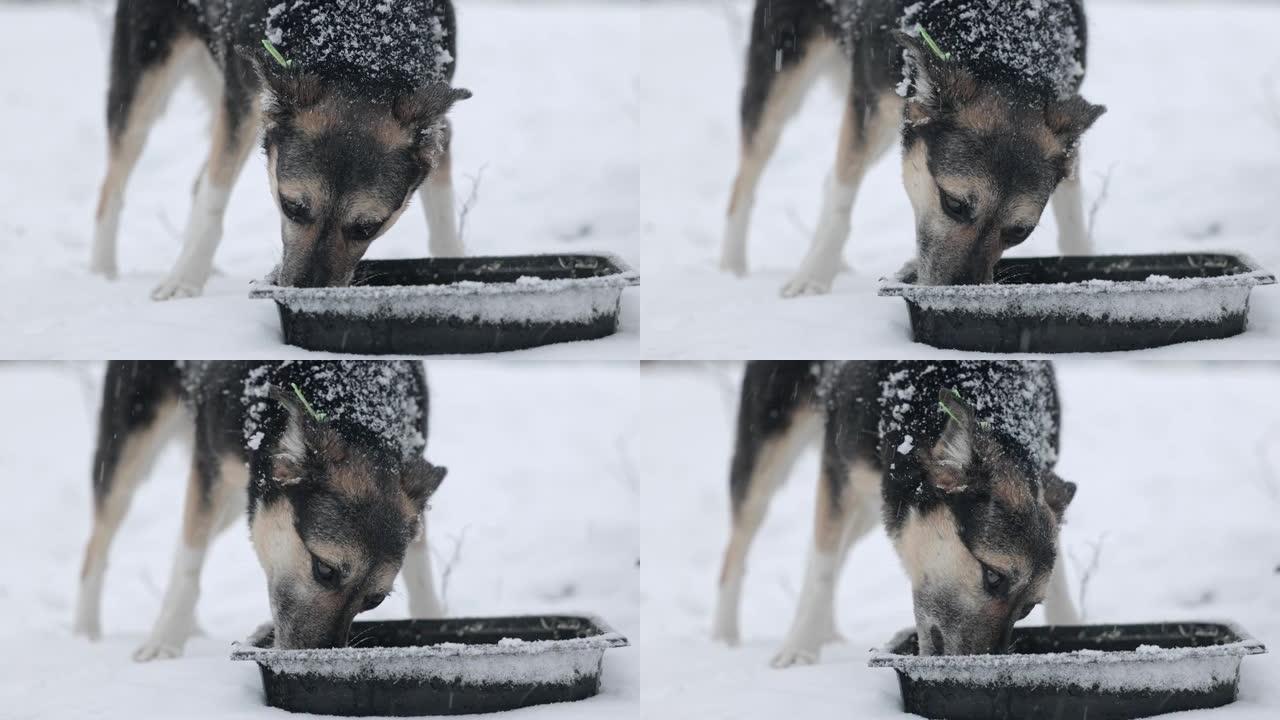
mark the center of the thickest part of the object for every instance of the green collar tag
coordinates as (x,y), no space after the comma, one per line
(928,40)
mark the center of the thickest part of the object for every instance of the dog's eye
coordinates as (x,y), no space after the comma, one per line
(295,211)
(324,573)
(995,582)
(373,601)
(955,208)
(361,232)
(1015,235)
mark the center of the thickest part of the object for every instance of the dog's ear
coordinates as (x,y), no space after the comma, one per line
(423,113)
(424,106)
(287,89)
(936,87)
(301,433)
(1058,494)
(1069,119)
(952,455)
(420,479)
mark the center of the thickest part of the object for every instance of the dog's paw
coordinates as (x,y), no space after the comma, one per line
(804,285)
(790,656)
(157,649)
(174,289)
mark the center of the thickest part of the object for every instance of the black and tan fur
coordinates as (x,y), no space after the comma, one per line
(982,151)
(972,515)
(334,512)
(344,156)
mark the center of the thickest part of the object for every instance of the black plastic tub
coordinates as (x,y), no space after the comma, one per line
(430,306)
(438,667)
(1094,672)
(1085,304)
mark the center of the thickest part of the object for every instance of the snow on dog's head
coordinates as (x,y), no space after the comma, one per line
(993,117)
(354,97)
(980,548)
(330,520)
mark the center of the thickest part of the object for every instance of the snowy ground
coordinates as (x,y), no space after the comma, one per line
(1191,143)
(554,151)
(534,517)
(1179,476)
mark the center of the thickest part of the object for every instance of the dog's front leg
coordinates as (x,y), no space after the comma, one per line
(235,128)
(211,502)
(418,579)
(438,203)
(844,514)
(865,133)
(1068,211)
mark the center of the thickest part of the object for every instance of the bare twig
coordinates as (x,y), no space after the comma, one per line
(1098,202)
(472,198)
(1089,570)
(794,217)
(448,565)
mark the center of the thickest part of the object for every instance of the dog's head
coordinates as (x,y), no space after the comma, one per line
(980,161)
(343,162)
(980,554)
(331,525)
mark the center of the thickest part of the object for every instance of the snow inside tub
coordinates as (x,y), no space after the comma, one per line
(1085,304)
(1097,672)
(437,667)
(456,305)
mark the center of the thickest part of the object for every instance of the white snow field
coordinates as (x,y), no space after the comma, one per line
(1190,144)
(535,516)
(549,137)
(1178,469)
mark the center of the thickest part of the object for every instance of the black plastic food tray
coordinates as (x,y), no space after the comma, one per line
(1098,672)
(1085,304)
(438,667)
(430,306)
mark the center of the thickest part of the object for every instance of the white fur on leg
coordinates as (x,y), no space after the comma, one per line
(1059,608)
(418,578)
(814,623)
(442,222)
(725,626)
(103,259)
(733,251)
(1068,210)
(177,620)
(88,604)
(816,273)
(201,238)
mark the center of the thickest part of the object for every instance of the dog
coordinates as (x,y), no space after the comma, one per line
(326,456)
(954,458)
(350,99)
(990,119)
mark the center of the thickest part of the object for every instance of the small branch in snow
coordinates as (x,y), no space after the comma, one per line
(794,217)
(472,198)
(446,567)
(1088,572)
(1098,202)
